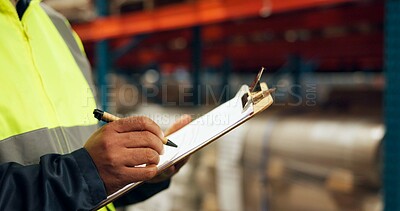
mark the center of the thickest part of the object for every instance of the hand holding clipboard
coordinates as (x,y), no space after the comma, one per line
(248,102)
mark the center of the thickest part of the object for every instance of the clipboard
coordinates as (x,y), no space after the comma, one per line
(248,102)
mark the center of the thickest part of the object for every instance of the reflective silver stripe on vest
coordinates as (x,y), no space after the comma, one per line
(65,31)
(27,148)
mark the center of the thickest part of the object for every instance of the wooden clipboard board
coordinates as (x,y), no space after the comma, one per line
(248,102)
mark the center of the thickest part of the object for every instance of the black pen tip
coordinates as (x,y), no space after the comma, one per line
(98,114)
(170,143)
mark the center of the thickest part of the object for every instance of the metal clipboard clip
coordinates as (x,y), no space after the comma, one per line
(257,92)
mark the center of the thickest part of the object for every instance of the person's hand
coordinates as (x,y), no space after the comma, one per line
(119,147)
(169,172)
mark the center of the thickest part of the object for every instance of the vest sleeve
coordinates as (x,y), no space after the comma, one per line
(58,182)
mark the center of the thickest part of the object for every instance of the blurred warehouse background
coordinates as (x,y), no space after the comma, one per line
(319,147)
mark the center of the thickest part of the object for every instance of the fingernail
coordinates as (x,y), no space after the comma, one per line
(162,151)
(162,133)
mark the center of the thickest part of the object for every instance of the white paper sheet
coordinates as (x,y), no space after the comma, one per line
(202,130)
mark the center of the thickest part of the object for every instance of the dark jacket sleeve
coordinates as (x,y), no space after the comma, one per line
(141,193)
(58,182)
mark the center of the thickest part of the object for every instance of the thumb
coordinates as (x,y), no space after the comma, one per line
(180,123)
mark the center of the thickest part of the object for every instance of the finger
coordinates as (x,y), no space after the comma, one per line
(139,156)
(137,174)
(167,172)
(180,123)
(164,175)
(143,139)
(137,124)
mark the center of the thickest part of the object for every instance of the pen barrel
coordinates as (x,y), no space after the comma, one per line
(164,140)
(109,117)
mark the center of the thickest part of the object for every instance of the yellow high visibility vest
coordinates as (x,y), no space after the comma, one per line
(46,99)
(42,85)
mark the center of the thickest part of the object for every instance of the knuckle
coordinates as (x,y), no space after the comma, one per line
(152,156)
(109,160)
(156,158)
(150,173)
(147,122)
(158,146)
(152,141)
(142,121)
(106,144)
(109,154)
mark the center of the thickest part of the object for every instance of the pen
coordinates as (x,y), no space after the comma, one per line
(107,117)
